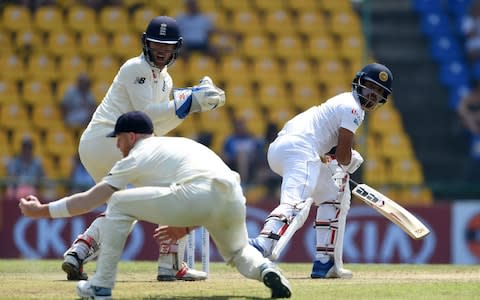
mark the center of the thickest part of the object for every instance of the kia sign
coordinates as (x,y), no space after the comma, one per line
(369,237)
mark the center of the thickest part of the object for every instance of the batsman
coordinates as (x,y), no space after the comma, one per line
(309,176)
(144,84)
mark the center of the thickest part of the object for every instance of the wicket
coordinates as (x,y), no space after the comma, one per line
(205,249)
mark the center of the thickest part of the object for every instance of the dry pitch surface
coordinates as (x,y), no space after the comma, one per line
(43,279)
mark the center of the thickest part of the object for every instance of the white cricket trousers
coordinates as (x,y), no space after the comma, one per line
(303,173)
(97,152)
(217,204)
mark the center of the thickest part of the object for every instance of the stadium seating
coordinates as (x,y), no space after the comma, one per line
(48,19)
(290,55)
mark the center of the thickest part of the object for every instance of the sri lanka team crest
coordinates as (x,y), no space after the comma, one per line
(383,76)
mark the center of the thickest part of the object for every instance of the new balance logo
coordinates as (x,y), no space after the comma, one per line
(140,80)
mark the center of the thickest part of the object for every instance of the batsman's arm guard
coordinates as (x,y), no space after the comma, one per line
(296,224)
(355,162)
(203,97)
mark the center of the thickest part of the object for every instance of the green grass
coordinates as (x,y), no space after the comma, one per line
(43,279)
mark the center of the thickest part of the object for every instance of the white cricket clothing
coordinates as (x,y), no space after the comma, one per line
(295,153)
(179,183)
(137,86)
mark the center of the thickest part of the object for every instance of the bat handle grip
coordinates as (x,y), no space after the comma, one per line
(353,183)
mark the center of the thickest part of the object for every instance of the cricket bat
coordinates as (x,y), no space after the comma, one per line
(390,210)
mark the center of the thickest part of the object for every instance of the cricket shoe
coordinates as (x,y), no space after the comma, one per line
(73,266)
(87,291)
(329,270)
(185,273)
(274,279)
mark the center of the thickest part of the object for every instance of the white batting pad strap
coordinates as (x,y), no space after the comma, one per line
(58,209)
(355,162)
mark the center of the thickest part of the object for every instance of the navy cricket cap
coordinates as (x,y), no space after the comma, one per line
(133,121)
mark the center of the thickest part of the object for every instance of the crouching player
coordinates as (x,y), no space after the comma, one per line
(178,182)
(298,155)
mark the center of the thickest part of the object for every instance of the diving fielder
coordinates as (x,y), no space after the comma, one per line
(179,182)
(298,155)
(142,83)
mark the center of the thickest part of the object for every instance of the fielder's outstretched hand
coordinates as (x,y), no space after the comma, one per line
(31,207)
(168,234)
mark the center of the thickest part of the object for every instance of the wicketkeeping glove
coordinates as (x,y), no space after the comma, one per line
(203,97)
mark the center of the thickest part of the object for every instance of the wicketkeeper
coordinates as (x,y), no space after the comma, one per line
(143,84)
(298,155)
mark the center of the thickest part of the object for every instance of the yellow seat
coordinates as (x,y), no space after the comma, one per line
(406,171)
(239,94)
(94,44)
(61,44)
(306,94)
(416,196)
(6,42)
(58,142)
(114,19)
(104,67)
(271,94)
(234,67)
(199,66)
(100,88)
(302,6)
(71,66)
(225,43)
(219,19)
(331,7)
(37,91)
(234,5)
(299,69)
(29,40)
(82,19)
(332,89)
(16,18)
(288,46)
(46,116)
(279,115)
(208,6)
(48,19)
(345,22)
(14,116)
(13,67)
(310,23)
(321,47)
(268,6)
(141,17)
(256,45)
(246,22)
(352,48)
(178,73)
(20,133)
(5,151)
(266,69)
(386,120)
(9,92)
(278,22)
(42,66)
(396,146)
(333,72)
(374,171)
(126,45)
(210,120)
(254,119)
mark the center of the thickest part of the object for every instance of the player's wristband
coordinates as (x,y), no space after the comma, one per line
(58,209)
